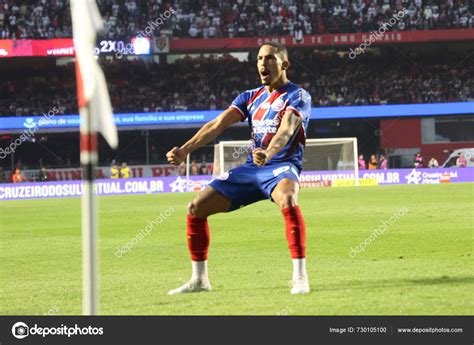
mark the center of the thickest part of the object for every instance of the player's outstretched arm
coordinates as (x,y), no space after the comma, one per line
(289,125)
(205,135)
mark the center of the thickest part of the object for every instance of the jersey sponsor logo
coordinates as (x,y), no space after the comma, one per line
(267,122)
(266,126)
(265,130)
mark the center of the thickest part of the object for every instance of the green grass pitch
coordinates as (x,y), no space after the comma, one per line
(421,265)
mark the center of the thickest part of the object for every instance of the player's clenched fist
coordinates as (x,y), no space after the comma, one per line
(176,156)
(259,156)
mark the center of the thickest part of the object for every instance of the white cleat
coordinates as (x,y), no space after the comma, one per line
(300,285)
(191,286)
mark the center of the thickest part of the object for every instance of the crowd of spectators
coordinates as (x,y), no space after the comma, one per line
(209,83)
(239,18)
(334,81)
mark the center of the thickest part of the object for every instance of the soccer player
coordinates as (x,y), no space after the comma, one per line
(278,113)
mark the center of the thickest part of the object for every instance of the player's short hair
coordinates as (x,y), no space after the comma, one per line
(281,49)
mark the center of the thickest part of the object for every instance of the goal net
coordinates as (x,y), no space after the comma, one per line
(320,155)
(230,154)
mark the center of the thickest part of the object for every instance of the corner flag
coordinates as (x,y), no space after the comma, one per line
(91,86)
(96,116)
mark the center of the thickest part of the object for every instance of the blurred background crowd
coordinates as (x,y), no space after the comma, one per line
(241,18)
(213,82)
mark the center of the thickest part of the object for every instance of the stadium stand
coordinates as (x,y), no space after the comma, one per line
(207,19)
(212,83)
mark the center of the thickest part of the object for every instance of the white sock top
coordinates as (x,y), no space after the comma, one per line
(299,268)
(199,270)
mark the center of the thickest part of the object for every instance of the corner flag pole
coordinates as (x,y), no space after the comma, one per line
(96,116)
(89,158)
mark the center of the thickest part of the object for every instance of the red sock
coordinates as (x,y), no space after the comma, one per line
(295,231)
(197,233)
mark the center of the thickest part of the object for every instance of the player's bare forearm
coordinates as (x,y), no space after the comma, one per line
(278,142)
(289,124)
(211,130)
(205,135)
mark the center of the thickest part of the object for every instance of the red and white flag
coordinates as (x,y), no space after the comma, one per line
(92,93)
(96,116)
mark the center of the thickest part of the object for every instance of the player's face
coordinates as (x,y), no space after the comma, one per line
(270,65)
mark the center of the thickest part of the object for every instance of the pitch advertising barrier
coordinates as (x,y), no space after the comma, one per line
(181,184)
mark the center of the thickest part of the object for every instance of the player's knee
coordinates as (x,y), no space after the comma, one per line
(192,208)
(195,210)
(287,200)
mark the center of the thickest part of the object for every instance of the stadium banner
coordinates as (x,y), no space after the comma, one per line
(161,45)
(308,178)
(324,40)
(6,48)
(351,182)
(391,176)
(128,120)
(11,124)
(236,330)
(181,184)
(65,46)
(61,189)
(137,171)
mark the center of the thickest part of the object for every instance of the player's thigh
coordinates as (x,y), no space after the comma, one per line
(286,192)
(208,202)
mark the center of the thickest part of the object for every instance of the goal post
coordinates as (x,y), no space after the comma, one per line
(330,154)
